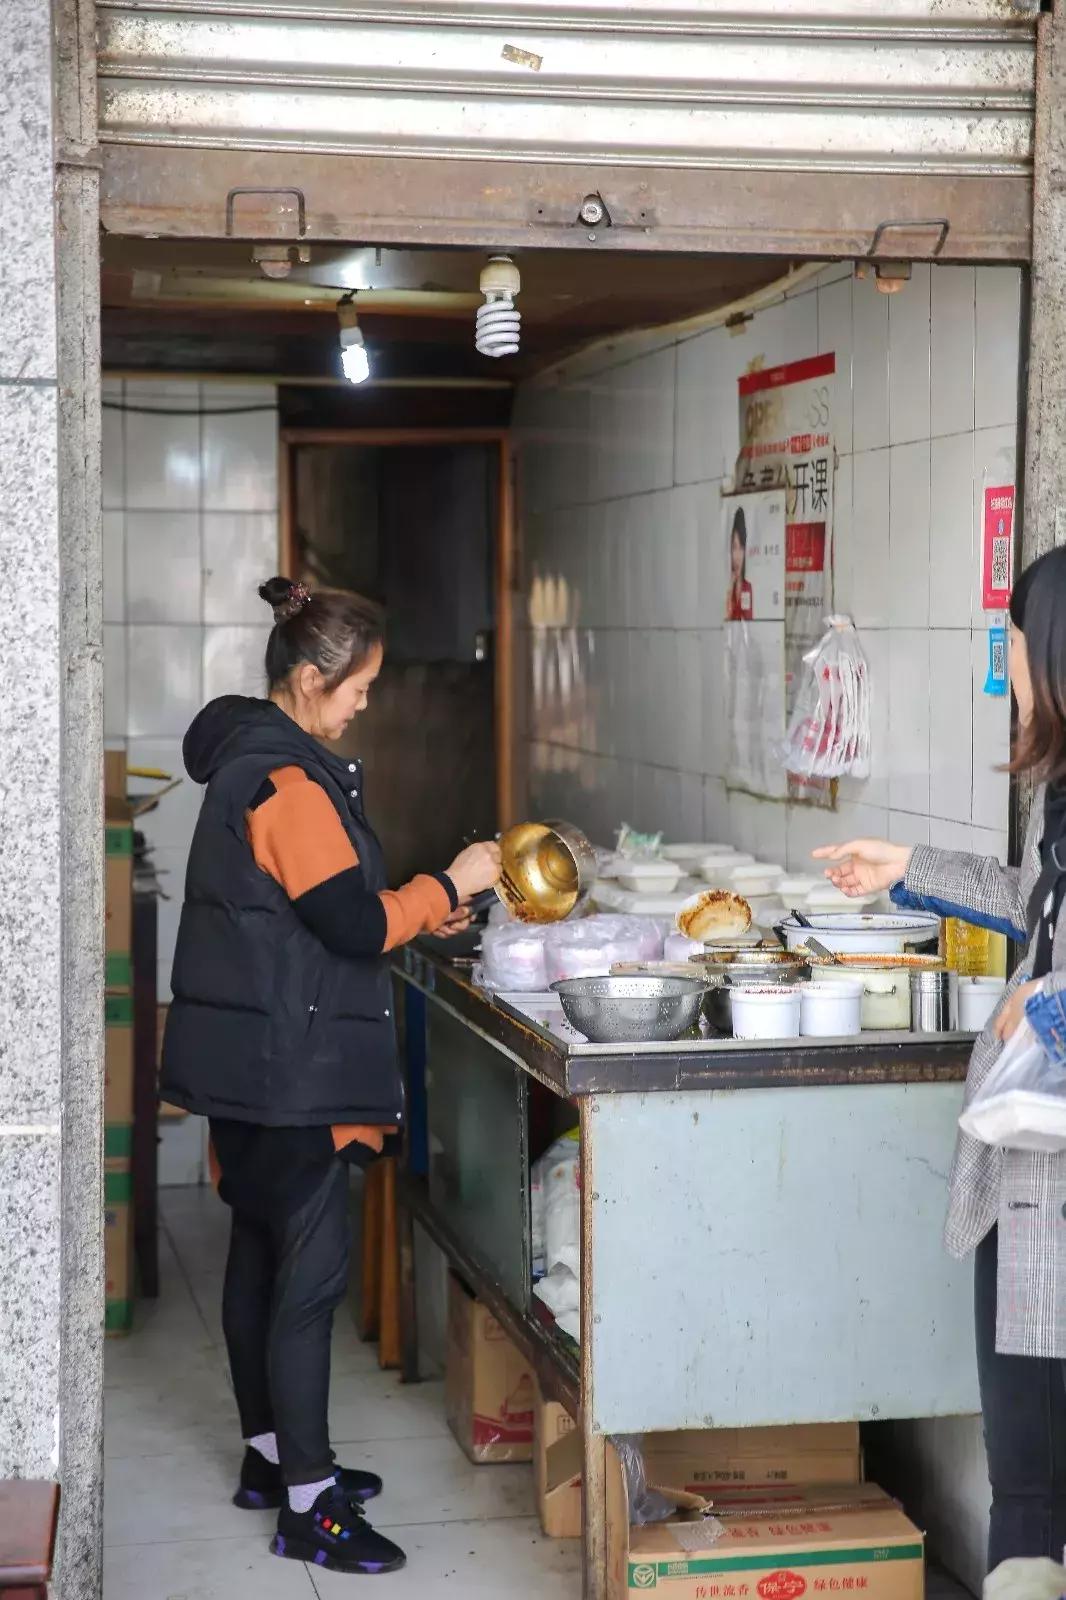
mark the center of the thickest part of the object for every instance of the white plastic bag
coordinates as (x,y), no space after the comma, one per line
(1022,1103)
(560,1180)
(565,1148)
(829,731)
(560,1291)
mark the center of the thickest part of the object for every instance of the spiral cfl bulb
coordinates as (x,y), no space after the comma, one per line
(498,322)
(355,361)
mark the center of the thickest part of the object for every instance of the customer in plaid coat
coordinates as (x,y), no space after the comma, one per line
(1009,1206)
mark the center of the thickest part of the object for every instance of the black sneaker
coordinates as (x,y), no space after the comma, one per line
(261,1488)
(335,1534)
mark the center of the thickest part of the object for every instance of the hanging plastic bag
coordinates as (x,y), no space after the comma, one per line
(829,731)
(1022,1103)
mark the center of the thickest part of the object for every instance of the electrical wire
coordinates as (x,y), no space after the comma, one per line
(185,411)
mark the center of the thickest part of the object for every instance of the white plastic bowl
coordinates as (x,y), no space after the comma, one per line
(886,994)
(978,999)
(765,1011)
(831,1009)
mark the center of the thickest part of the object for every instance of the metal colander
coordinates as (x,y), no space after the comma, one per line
(631,1010)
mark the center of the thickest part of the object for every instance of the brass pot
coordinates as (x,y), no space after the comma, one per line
(547,867)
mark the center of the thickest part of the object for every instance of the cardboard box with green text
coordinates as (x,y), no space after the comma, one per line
(822,1543)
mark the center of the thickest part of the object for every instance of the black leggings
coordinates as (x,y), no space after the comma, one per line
(1023,1399)
(285,1277)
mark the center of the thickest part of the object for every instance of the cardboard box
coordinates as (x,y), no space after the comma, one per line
(120,813)
(713,1464)
(118,1058)
(820,1541)
(118,1246)
(118,899)
(709,1461)
(556,1468)
(488,1386)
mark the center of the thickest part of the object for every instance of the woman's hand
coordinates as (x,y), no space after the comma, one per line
(1012,1016)
(867,866)
(475,868)
(458,922)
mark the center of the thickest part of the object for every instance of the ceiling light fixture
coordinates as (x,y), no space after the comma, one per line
(355,362)
(498,323)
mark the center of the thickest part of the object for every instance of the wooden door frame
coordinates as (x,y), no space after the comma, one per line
(503,663)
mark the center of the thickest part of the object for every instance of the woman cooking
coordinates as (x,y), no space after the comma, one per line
(281,1033)
(1010,1205)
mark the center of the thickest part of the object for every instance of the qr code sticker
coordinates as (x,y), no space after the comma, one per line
(999,658)
(1000,564)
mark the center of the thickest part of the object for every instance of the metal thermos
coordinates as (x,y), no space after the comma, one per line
(934,1002)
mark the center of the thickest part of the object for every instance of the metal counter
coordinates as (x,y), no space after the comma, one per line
(760,1225)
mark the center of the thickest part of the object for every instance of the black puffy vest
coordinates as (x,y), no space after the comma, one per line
(267,1025)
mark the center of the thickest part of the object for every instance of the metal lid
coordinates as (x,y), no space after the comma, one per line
(932,981)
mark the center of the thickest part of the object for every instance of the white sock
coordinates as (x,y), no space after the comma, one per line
(267,1445)
(302,1496)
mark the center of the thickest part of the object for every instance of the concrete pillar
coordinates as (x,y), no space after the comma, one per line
(51,960)
(1044,499)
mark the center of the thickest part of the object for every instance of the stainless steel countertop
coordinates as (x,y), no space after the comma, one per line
(574,1069)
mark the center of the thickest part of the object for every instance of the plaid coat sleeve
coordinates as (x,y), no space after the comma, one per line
(954,883)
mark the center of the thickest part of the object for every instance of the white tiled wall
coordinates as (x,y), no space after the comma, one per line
(622,464)
(190,531)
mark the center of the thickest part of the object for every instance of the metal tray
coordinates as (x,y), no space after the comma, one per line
(546,1019)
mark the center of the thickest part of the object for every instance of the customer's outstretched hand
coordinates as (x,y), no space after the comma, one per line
(865,866)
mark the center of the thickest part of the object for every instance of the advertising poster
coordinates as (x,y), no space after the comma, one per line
(754,527)
(786,450)
(997,547)
(753,537)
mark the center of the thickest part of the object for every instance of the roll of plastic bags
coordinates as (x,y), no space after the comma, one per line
(591,947)
(512,958)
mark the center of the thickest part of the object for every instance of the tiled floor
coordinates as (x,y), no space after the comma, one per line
(173,1448)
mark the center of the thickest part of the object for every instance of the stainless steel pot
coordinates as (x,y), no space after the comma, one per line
(748,966)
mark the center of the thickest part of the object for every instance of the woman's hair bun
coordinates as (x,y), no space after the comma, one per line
(284,597)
